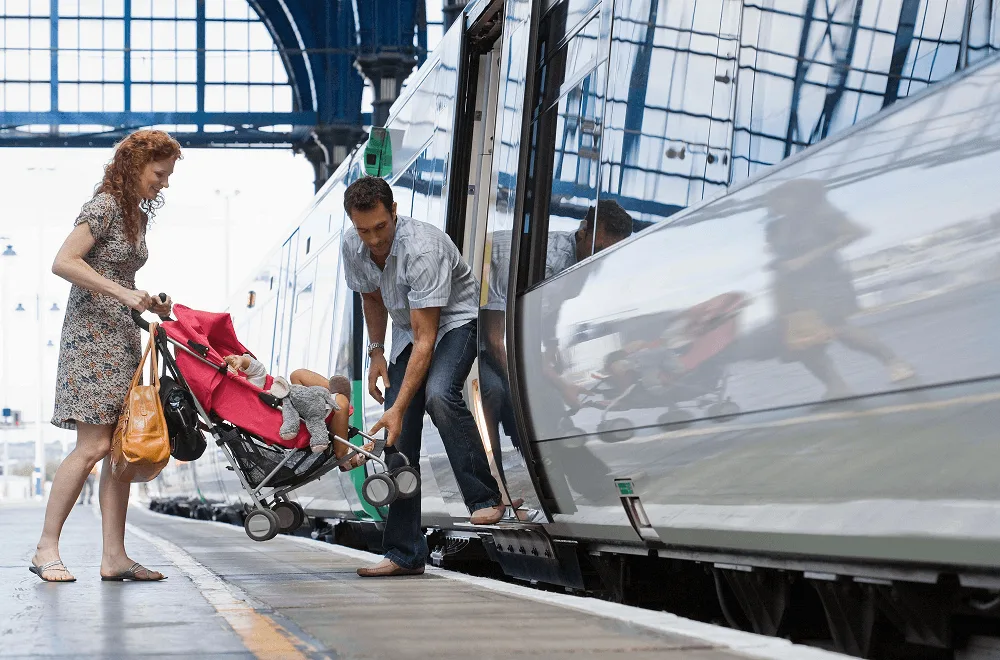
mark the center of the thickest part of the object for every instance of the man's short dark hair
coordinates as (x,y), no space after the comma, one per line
(340,385)
(366,193)
(612,218)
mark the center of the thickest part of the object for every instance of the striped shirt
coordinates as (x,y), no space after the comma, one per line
(424,269)
(560,254)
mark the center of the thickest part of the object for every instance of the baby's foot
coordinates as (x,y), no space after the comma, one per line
(319,448)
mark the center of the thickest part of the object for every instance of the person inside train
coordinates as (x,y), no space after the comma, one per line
(412,272)
(582,470)
(339,386)
(604,225)
(813,289)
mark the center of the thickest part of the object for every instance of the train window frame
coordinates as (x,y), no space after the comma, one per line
(537,199)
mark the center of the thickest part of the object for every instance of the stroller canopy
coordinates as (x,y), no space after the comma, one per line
(230,396)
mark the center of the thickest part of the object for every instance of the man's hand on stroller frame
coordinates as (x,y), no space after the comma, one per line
(392,422)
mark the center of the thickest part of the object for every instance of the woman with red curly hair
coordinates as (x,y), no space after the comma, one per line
(101,345)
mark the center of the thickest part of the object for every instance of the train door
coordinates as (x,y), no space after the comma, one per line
(480,129)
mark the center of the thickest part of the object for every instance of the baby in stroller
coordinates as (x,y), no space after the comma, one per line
(339,419)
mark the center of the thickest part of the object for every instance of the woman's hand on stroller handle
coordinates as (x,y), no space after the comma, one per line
(161,307)
(136,299)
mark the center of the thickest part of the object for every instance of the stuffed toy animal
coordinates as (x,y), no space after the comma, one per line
(309,405)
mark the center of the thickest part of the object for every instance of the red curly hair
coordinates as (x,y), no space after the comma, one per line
(121,176)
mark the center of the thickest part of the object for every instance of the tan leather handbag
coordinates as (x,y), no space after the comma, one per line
(141,444)
(805,329)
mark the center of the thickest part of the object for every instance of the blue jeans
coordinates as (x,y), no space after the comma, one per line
(441,397)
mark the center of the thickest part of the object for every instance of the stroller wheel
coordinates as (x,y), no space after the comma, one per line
(290,515)
(723,409)
(407,482)
(379,489)
(261,525)
(615,430)
(678,418)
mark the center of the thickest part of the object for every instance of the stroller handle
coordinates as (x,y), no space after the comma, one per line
(143,323)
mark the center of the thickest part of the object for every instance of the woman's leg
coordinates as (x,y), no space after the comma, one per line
(819,364)
(113,497)
(864,341)
(93,442)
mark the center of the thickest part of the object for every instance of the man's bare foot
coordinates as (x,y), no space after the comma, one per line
(56,572)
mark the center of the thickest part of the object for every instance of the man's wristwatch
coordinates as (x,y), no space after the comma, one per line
(372,346)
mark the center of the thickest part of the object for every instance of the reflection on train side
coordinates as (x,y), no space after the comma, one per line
(869,267)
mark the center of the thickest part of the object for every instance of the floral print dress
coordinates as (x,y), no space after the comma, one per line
(101,345)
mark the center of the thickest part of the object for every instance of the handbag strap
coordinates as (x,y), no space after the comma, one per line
(138,370)
(154,374)
(154,377)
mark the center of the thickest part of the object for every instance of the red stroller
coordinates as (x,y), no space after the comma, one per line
(244,422)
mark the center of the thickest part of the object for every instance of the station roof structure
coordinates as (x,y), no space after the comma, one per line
(262,73)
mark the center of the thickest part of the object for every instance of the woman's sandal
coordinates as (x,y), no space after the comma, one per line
(137,572)
(38,570)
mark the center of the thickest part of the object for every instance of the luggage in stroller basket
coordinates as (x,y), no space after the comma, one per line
(244,422)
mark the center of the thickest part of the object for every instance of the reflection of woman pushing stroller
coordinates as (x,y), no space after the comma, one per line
(686,363)
(813,290)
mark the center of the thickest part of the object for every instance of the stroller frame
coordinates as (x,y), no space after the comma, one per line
(265,519)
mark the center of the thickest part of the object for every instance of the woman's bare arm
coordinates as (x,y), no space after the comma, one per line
(70,266)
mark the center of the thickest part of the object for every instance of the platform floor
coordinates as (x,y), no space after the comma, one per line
(229,597)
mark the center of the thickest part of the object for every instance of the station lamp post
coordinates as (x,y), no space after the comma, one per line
(227,196)
(5,258)
(38,477)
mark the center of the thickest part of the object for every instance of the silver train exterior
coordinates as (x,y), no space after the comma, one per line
(791,362)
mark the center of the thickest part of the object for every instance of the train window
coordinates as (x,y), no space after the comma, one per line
(305,289)
(328,284)
(565,144)
(668,126)
(563,64)
(571,14)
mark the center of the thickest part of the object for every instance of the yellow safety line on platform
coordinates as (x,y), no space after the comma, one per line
(262,636)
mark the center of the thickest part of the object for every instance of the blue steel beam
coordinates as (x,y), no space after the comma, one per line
(900,49)
(283,31)
(387,26)
(635,109)
(125,119)
(339,85)
(318,43)
(387,53)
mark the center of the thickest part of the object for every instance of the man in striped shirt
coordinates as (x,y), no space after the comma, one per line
(411,272)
